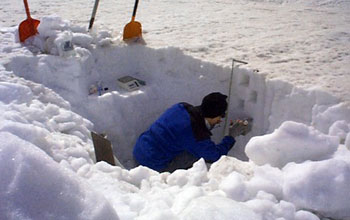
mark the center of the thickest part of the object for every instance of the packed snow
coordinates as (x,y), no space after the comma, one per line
(294,165)
(304,42)
(296,143)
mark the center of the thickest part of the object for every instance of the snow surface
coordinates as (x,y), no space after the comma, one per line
(292,142)
(298,167)
(304,42)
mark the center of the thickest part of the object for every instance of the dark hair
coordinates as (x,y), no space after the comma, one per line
(214,105)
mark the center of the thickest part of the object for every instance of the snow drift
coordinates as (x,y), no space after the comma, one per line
(46,149)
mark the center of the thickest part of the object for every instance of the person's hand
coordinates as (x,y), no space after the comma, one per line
(240,127)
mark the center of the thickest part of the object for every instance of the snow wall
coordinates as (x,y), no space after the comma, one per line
(170,77)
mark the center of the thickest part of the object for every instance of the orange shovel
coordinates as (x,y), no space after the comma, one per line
(133,28)
(28,27)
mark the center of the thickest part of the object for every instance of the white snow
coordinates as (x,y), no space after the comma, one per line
(304,42)
(298,165)
(31,180)
(310,189)
(292,142)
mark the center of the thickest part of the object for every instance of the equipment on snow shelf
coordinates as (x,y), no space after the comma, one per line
(64,44)
(28,27)
(92,19)
(133,29)
(97,88)
(103,150)
(130,83)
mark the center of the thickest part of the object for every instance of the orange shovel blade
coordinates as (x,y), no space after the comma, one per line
(131,30)
(28,28)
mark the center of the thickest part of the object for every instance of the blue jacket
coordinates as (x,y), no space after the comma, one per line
(180,128)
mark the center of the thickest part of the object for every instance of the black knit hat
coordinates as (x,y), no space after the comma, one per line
(214,105)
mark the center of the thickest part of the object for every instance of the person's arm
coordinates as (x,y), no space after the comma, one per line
(211,152)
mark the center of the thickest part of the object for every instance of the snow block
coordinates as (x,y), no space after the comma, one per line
(292,142)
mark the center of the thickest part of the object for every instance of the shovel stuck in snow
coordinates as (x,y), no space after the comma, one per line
(103,150)
(133,29)
(28,27)
(92,19)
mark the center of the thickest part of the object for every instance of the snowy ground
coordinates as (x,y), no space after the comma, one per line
(303,42)
(299,170)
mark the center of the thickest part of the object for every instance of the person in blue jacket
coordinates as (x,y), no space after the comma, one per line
(181,135)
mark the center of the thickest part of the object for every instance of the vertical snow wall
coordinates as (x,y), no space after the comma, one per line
(170,77)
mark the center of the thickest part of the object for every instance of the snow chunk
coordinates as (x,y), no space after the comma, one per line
(324,116)
(183,199)
(213,207)
(234,187)
(83,40)
(226,165)
(194,176)
(50,26)
(33,186)
(268,179)
(10,92)
(340,129)
(291,142)
(141,173)
(269,208)
(319,189)
(304,215)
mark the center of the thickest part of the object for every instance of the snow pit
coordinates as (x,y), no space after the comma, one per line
(46,106)
(170,77)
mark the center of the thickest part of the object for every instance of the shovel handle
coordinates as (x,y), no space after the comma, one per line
(92,19)
(27,8)
(135,8)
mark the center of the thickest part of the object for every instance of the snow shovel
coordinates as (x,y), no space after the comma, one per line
(92,19)
(103,150)
(28,27)
(133,28)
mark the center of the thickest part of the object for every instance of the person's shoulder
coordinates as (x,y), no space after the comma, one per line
(182,105)
(185,104)
(178,107)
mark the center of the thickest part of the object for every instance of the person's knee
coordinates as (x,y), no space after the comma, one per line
(183,160)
